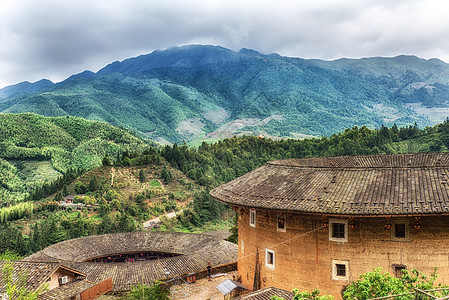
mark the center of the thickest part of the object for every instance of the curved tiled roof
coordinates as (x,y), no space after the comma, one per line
(195,251)
(414,160)
(399,184)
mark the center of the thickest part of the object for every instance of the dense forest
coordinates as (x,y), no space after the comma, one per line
(212,164)
(131,186)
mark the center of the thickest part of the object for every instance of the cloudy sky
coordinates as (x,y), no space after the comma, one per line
(55,38)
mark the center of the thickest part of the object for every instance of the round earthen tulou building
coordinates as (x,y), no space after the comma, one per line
(132,258)
(321,222)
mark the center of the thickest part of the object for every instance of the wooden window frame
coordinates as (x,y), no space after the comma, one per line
(335,275)
(285,224)
(267,253)
(340,270)
(397,270)
(331,228)
(252,212)
(394,236)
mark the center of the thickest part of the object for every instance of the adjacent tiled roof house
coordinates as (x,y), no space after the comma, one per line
(321,222)
(266,294)
(51,279)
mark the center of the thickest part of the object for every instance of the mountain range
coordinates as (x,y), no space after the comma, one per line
(195,92)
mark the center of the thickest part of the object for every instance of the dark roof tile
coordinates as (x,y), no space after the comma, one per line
(30,275)
(349,185)
(195,250)
(67,291)
(266,293)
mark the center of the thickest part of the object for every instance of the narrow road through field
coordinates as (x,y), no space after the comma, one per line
(112,175)
(157,220)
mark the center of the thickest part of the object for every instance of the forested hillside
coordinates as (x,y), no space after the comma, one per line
(135,185)
(36,150)
(196,93)
(108,199)
(212,164)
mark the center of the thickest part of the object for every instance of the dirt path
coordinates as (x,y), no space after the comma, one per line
(112,175)
(158,220)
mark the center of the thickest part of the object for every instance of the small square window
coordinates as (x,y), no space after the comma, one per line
(340,270)
(400,231)
(252,217)
(281,224)
(269,258)
(338,230)
(398,270)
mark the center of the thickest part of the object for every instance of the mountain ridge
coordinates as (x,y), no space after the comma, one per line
(24,87)
(197,92)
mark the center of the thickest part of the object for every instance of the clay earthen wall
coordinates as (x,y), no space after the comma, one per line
(54,279)
(304,253)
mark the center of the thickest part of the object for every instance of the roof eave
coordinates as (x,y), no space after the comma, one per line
(348,215)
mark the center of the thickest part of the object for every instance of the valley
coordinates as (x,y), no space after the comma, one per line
(131,181)
(140,144)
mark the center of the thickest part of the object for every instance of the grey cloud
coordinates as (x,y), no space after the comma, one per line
(54,39)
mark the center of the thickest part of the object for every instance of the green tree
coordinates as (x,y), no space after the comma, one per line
(127,224)
(11,238)
(80,188)
(65,192)
(126,161)
(377,284)
(142,177)
(106,225)
(58,197)
(166,175)
(234,237)
(158,291)
(10,255)
(36,240)
(15,284)
(106,161)
(93,184)
(374,284)
(207,207)
(54,232)
(314,295)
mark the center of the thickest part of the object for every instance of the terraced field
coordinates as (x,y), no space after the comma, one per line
(125,180)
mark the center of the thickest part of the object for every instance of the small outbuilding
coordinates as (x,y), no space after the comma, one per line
(231,288)
(69,198)
(321,222)
(51,280)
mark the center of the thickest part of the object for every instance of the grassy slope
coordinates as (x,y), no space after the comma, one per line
(35,149)
(125,181)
